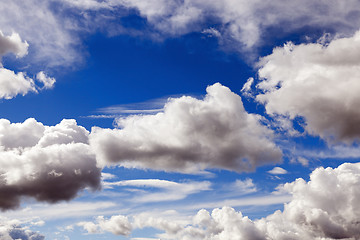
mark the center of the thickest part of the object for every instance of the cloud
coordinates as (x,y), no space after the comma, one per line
(46,30)
(168,190)
(13,44)
(11,83)
(12,229)
(55,29)
(48,163)
(48,82)
(277,171)
(118,225)
(303,161)
(240,22)
(244,187)
(325,207)
(190,135)
(61,210)
(246,89)
(316,82)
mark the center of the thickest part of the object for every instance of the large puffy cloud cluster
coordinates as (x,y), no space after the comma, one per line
(49,35)
(240,21)
(319,83)
(190,135)
(326,207)
(48,163)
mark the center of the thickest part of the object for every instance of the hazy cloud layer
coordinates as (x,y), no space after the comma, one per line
(326,207)
(317,82)
(38,22)
(46,163)
(190,135)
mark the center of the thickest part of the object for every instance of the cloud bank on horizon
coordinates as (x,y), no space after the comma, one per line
(315,79)
(326,207)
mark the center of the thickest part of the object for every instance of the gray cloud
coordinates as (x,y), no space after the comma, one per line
(48,163)
(240,22)
(190,135)
(317,82)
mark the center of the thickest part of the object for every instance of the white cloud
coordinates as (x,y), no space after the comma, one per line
(12,44)
(168,190)
(303,161)
(245,186)
(316,82)
(118,225)
(326,207)
(13,229)
(62,210)
(46,163)
(241,21)
(277,171)
(47,32)
(11,83)
(246,89)
(190,135)
(48,82)
(54,28)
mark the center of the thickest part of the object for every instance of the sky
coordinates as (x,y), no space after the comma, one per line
(179,119)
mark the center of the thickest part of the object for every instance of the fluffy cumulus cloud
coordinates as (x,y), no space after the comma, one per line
(190,135)
(11,83)
(326,207)
(48,163)
(118,225)
(156,190)
(241,21)
(55,34)
(13,44)
(319,83)
(12,229)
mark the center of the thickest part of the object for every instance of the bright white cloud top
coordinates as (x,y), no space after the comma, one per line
(47,163)
(326,207)
(317,82)
(189,136)
(184,167)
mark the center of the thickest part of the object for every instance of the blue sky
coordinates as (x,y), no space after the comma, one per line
(180,120)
